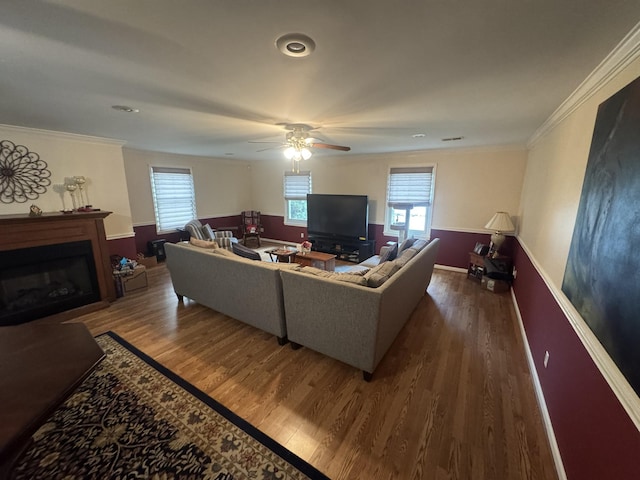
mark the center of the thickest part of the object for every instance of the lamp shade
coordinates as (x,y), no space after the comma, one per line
(500,222)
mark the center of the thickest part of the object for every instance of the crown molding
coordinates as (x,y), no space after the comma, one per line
(63,135)
(625,52)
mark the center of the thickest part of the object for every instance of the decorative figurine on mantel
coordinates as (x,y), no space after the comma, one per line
(35,211)
(76,186)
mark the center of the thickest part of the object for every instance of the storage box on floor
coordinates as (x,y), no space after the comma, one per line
(133,281)
(147,261)
(496,286)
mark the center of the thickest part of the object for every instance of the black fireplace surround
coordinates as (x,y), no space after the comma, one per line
(41,281)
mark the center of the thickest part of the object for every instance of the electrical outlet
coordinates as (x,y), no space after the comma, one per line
(546,358)
(301,235)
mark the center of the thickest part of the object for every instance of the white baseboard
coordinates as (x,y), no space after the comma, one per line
(450,269)
(546,419)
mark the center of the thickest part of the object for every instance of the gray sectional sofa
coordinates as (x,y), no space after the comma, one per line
(243,289)
(343,316)
(353,323)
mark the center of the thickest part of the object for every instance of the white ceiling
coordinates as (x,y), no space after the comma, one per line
(208,78)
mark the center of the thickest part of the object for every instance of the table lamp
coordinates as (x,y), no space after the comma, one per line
(499,223)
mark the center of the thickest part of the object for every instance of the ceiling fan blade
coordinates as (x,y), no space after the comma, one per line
(271,148)
(329,146)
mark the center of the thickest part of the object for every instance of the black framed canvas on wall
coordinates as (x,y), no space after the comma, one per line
(602,277)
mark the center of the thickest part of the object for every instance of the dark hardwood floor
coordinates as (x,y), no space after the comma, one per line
(452,399)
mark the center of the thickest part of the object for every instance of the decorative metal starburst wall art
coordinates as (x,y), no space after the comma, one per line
(23,174)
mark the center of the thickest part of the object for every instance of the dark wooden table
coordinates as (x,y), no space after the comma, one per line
(40,366)
(282,254)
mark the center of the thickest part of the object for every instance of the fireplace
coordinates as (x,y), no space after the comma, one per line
(55,266)
(41,281)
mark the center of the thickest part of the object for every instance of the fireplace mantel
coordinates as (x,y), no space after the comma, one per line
(24,231)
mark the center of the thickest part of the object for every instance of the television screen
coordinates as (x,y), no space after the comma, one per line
(340,216)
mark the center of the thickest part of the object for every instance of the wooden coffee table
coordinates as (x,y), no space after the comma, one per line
(40,366)
(325,261)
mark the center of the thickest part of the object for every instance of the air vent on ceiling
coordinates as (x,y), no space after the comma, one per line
(452,139)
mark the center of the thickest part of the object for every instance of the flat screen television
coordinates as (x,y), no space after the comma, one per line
(338,216)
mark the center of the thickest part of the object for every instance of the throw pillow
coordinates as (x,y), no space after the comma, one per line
(245,252)
(419,244)
(196,242)
(251,228)
(385,254)
(350,278)
(315,271)
(393,251)
(286,266)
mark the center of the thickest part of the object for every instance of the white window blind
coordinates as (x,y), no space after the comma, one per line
(297,185)
(173,197)
(411,185)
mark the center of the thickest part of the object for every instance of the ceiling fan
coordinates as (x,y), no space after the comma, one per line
(298,143)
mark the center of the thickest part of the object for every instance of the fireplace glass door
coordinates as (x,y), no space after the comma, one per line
(41,281)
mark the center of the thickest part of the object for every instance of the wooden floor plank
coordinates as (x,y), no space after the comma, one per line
(453,397)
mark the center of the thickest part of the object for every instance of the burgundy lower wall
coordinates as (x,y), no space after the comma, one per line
(125,247)
(596,437)
(455,246)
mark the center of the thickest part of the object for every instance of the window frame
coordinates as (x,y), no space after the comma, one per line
(428,203)
(295,194)
(154,170)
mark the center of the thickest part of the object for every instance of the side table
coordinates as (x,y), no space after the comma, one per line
(475,270)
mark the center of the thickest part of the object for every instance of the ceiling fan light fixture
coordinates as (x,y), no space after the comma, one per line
(295,45)
(306,153)
(289,153)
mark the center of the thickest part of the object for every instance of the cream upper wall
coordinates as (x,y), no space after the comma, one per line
(222,186)
(553,181)
(471,184)
(67,155)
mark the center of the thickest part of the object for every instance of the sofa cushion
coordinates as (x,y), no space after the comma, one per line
(419,244)
(380,274)
(207,232)
(405,256)
(406,244)
(226,242)
(194,227)
(370,262)
(196,242)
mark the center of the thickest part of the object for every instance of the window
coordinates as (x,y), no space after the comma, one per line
(173,197)
(296,187)
(409,190)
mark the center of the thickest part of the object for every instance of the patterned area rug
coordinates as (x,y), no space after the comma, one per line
(134,419)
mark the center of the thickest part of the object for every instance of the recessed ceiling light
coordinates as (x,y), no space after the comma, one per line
(295,45)
(124,108)
(418,135)
(452,139)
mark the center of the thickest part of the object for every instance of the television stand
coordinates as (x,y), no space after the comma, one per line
(350,250)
